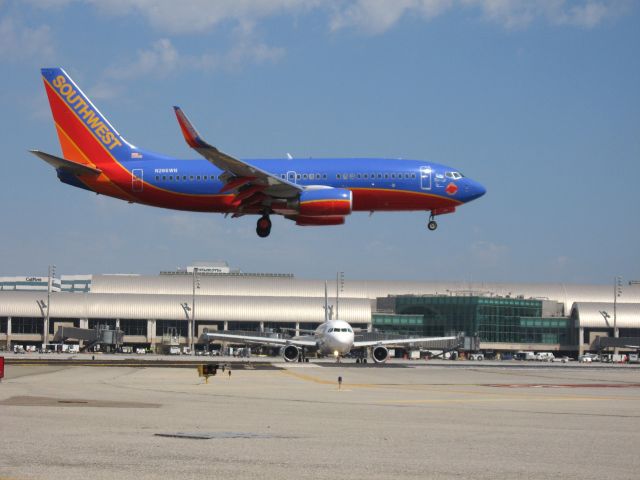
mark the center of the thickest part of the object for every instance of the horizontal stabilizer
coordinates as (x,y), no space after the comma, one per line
(67,165)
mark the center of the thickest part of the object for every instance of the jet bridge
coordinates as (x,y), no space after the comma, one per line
(101,335)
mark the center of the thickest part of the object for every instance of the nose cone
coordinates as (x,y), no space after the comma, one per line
(340,342)
(474,190)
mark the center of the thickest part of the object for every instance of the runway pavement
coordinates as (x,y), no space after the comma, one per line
(475,422)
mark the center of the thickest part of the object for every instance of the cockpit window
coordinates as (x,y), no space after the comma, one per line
(454,175)
(330,330)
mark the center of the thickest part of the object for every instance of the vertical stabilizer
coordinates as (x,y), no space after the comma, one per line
(85,135)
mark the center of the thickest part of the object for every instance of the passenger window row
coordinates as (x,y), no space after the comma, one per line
(352,176)
(372,176)
(305,176)
(184,178)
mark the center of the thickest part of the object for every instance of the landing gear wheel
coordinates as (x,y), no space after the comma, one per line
(263,228)
(432,225)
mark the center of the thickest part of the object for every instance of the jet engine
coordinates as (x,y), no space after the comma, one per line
(290,353)
(324,202)
(379,354)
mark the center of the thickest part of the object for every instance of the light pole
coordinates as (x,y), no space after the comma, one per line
(606,316)
(617,291)
(45,336)
(195,284)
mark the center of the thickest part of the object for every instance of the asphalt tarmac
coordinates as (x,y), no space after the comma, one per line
(296,421)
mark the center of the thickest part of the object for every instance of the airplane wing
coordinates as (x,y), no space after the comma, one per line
(237,173)
(64,164)
(375,343)
(229,337)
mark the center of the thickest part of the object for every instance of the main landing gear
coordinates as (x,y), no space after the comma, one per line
(263,228)
(432,225)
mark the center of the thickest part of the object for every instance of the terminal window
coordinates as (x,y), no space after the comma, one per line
(134,327)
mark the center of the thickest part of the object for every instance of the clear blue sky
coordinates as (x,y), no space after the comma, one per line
(539,101)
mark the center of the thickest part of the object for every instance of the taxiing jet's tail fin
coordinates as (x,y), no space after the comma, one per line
(85,135)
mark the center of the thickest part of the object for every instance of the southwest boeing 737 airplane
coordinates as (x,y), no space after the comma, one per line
(307,191)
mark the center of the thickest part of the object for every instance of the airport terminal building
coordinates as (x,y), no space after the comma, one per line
(506,317)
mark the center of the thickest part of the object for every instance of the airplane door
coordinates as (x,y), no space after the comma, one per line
(425,178)
(291,176)
(136,179)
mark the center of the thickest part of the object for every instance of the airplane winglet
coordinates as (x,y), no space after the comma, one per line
(191,135)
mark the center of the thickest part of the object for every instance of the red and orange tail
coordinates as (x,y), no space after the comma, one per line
(87,138)
(85,135)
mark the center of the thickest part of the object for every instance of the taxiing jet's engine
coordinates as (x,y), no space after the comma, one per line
(325,202)
(380,354)
(290,353)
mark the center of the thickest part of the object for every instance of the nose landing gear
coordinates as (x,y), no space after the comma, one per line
(432,225)
(263,228)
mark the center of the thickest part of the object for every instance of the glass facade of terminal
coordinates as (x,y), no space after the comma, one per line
(134,327)
(401,324)
(172,327)
(102,323)
(493,319)
(27,325)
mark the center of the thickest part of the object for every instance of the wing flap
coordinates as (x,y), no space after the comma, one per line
(63,164)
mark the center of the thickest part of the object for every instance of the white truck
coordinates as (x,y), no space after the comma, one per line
(525,356)
(545,357)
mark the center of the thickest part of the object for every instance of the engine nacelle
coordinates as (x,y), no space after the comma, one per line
(319,221)
(325,202)
(379,354)
(290,353)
